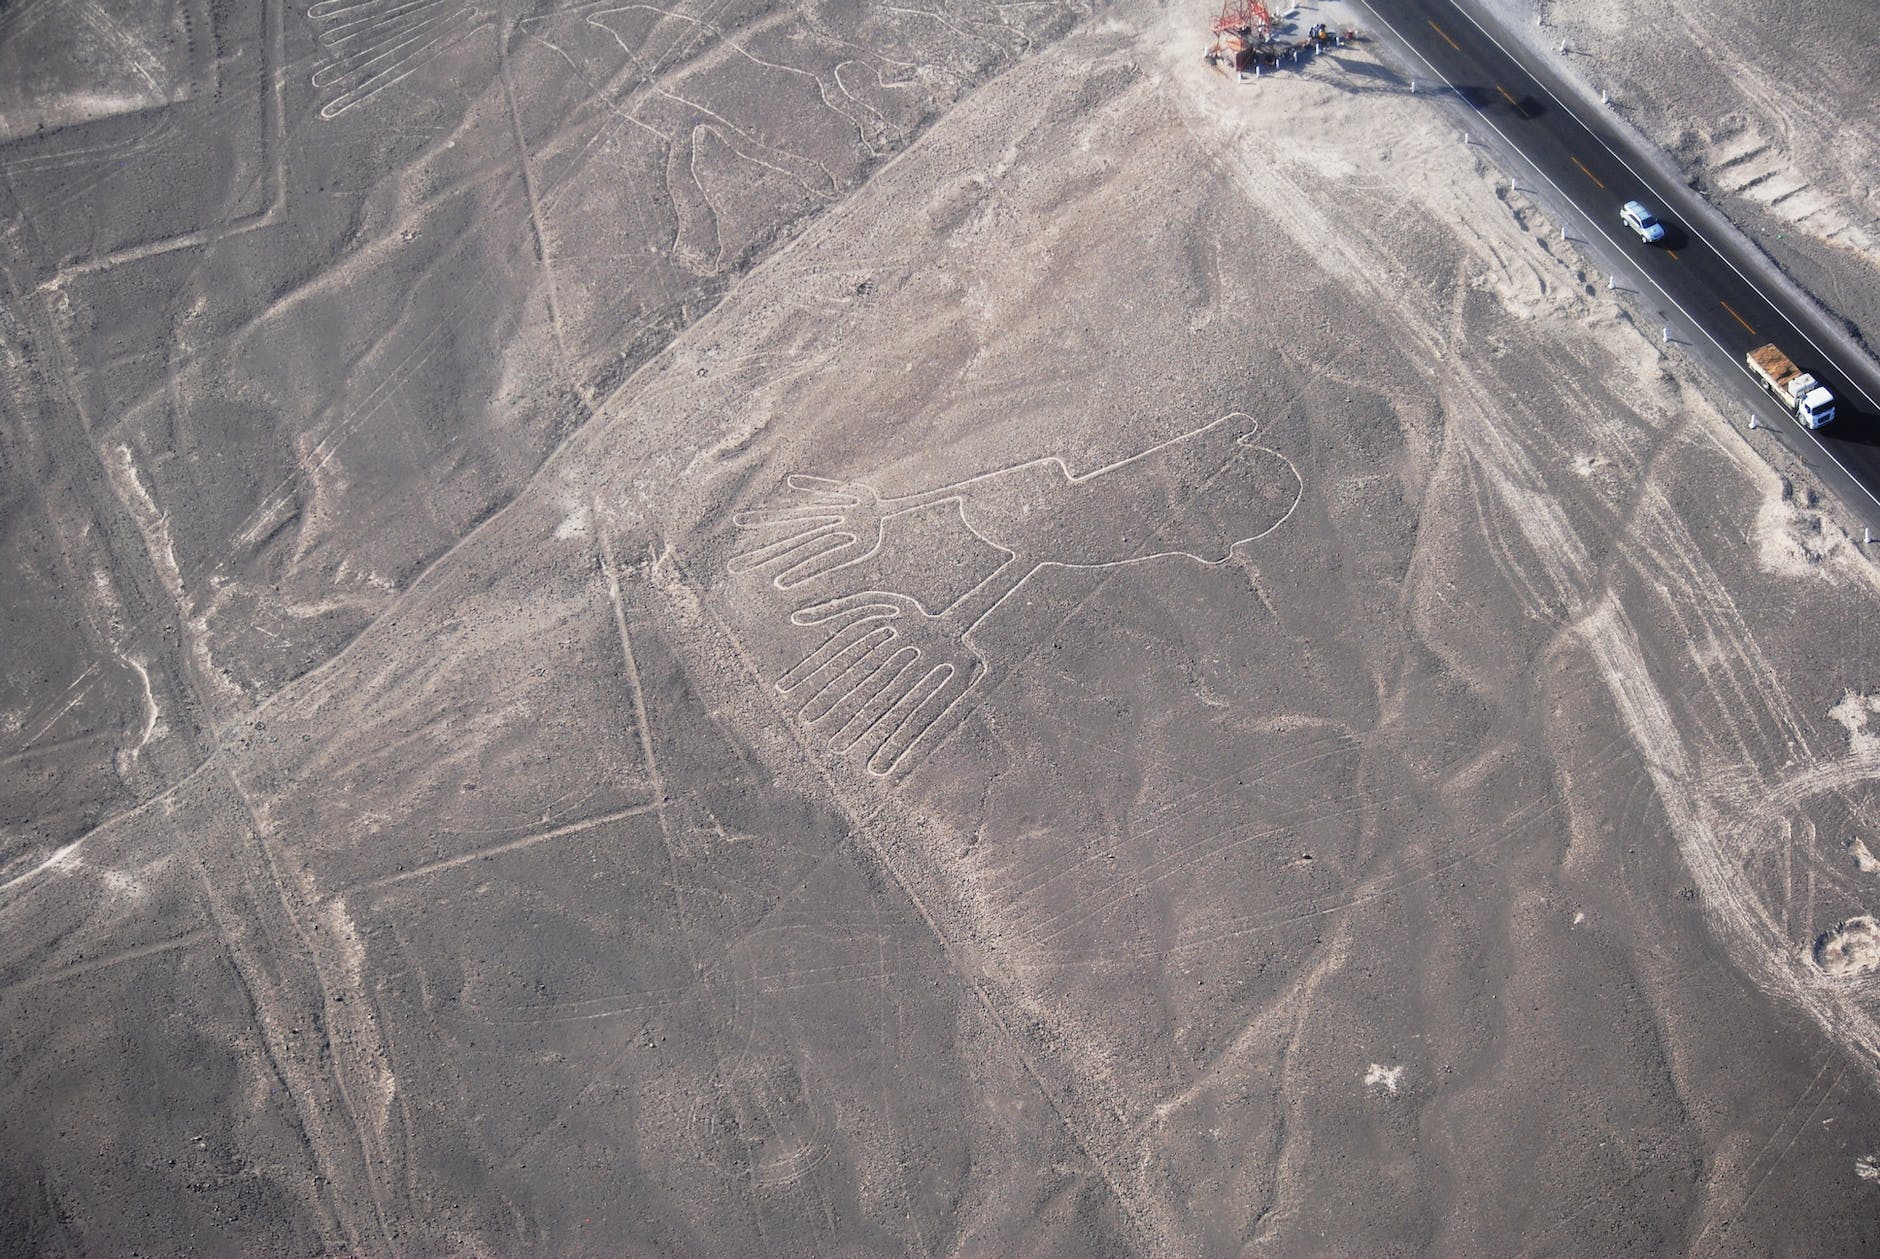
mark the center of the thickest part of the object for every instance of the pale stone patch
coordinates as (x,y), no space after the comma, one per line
(573,525)
(1849,949)
(1864,860)
(1793,539)
(1855,712)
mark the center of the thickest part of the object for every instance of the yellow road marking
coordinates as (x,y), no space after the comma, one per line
(1739,319)
(1511,100)
(1445,34)
(1589,174)
(1673,253)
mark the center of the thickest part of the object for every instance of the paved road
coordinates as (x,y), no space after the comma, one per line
(1707,287)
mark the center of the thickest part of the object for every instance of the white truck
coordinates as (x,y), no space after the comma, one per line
(1806,398)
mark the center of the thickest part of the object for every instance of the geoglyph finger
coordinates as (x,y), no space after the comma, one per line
(825,560)
(909,721)
(782,551)
(838,643)
(914,690)
(866,604)
(811,553)
(823,488)
(884,667)
(863,728)
(842,675)
(777,517)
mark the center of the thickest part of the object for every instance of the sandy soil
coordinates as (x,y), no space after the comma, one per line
(1772,109)
(70,63)
(1157,673)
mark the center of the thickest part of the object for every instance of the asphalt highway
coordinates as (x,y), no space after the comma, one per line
(1709,288)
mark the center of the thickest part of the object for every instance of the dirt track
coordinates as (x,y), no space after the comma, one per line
(1119,664)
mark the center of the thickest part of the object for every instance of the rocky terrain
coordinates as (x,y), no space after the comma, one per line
(817,629)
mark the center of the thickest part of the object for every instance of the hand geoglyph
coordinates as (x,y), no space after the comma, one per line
(890,678)
(886,675)
(828,525)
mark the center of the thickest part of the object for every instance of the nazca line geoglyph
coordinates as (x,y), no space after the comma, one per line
(372,44)
(891,676)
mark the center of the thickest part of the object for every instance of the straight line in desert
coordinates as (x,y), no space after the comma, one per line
(552,459)
(273,140)
(962,956)
(632,667)
(508,845)
(116,958)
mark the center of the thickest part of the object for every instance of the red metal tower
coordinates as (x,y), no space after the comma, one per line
(1249,19)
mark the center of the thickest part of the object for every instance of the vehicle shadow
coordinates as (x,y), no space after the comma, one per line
(1483,99)
(1367,69)
(1850,427)
(1676,238)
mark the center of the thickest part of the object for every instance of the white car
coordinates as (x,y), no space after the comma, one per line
(1643,222)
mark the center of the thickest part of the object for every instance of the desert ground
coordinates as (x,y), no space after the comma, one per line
(801,629)
(1771,110)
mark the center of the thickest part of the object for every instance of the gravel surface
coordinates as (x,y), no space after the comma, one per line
(992,644)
